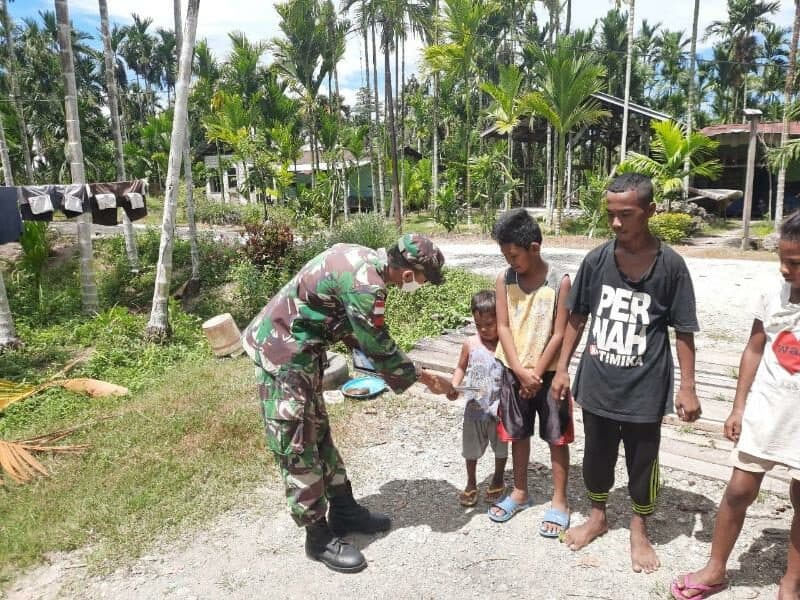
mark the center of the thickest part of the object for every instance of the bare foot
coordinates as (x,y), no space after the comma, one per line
(643,556)
(789,589)
(584,534)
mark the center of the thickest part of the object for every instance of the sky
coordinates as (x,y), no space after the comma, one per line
(259,21)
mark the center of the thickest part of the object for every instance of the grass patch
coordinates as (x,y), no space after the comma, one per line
(182,448)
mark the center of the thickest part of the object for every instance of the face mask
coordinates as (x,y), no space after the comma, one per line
(410,286)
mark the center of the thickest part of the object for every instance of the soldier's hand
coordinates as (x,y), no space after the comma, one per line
(437,384)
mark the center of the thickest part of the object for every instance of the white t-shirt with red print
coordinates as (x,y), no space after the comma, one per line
(771,422)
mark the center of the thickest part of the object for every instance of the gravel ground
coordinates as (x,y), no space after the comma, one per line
(404,458)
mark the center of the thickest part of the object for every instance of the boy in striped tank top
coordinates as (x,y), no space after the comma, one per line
(531,317)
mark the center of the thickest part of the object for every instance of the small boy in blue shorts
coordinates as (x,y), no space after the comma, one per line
(479,370)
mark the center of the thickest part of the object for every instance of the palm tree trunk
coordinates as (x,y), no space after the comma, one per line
(372,128)
(548,179)
(402,123)
(398,218)
(5,159)
(194,252)
(510,166)
(76,166)
(11,68)
(690,100)
(787,102)
(568,23)
(158,327)
(623,146)
(8,334)
(468,185)
(379,145)
(435,149)
(119,160)
(560,159)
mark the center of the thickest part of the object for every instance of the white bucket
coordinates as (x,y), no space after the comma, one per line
(223,335)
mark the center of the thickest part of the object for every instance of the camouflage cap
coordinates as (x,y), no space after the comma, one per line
(422,255)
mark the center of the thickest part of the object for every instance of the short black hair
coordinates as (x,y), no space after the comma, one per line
(483,302)
(633,182)
(517,227)
(790,228)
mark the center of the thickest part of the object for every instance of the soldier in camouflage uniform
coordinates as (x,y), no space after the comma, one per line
(339,295)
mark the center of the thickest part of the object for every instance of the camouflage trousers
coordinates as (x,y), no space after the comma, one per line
(299,435)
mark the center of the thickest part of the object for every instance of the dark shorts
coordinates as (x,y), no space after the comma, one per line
(518,416)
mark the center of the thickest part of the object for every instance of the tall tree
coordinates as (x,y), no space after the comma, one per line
(691,88)
(8,334)
(788,91)
(11,69)
(456,56)
(75,145)
(158,327)
(116,130)
(194,251)
(746,18)
(568,77)
(506,112)
(628,69)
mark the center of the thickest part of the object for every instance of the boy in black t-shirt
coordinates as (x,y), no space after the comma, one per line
(634,287)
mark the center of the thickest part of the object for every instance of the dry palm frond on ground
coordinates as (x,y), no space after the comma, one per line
(18,462)
(11,392)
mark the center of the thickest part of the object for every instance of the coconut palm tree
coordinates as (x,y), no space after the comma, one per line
(158,326)
(301,57)
(194,251)
(568,76)
(76,166)
(116,130)
(11,70)
(787,102)
(506,110)
(692,75)
(460,26)
(671,149)
(8,334)
(746,18)
(623,147)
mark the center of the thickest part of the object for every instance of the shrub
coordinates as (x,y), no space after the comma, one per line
(433,308)
(448,208)
(268,243)
(217,213)
(368,230)
(672,227)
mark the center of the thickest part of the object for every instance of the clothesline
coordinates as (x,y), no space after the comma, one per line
(40,202)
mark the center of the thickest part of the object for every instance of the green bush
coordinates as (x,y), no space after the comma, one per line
(217,213)
(672,227)
(433,308)
(368,230)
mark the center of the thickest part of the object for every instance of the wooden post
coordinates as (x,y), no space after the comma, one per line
(754,116)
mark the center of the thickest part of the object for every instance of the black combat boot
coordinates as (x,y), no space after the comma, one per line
(347,516)
(331,551)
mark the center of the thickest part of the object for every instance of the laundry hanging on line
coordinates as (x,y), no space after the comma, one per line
(40,202)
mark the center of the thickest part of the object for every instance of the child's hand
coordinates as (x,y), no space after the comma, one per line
(438,384)
(452,395)
(559,389)
(733,426)
(687,405)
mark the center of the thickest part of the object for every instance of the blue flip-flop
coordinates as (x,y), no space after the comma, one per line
(509,507)
(556,517)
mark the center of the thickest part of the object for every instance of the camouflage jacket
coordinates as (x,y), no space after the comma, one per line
(339,295)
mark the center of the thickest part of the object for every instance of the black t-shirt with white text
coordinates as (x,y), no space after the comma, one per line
(626,370)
